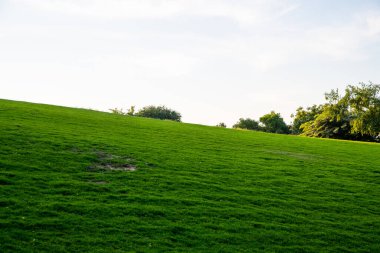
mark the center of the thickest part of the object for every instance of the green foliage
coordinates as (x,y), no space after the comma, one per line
(247,123)
(159,112)
(117,111)
(195,188)
(221,124)
(364,103)
(131,111)
(304,115)
(356,115)
(274,123)
(332,122)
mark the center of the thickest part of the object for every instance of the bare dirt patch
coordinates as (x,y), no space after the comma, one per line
(99,182)
(123,167)
(109,162)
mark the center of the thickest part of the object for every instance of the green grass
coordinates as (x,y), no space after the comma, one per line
(195,188)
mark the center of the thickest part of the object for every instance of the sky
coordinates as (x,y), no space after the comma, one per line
(213,61)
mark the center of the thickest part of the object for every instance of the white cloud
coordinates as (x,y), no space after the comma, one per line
(335,43)
(264,45)
(247,12)
(345,42)
(110,8)
(182,62)
(373,22)
(136,65)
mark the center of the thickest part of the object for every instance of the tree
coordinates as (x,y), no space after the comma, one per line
(131,111)
(274,123)
(356,115)
(221,124)
(364,103)
(117,111)
(332,122)
(159,112)
(247,123)
(304,115)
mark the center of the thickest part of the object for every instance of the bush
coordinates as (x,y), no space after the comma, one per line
(131,111)
(221,124)
(159,112)
(274,123)
(304,115)
(117,111)
(354,115)
(247,123)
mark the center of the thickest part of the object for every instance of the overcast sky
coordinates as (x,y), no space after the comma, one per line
(211,60)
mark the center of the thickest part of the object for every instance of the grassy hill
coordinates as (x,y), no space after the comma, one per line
(84,181)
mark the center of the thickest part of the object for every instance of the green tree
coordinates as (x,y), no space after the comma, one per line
(221,124)
(159,112)
(304,115)
(355,115)
(333,121)
(274,123)
(131,111)
(247,123)
(364,103)
(117,111)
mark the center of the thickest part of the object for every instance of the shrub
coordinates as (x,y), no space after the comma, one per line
(221,124)
(247,123)
(274,123)
(355,114)
(159,112)
(131,111)
(117,111)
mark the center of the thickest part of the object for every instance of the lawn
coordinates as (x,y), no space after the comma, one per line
(75,180)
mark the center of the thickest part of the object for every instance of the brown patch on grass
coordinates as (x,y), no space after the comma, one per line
(99,182)
(123,167)
(110,162)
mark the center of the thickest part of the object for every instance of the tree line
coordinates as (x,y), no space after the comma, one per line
(271,122)
(352,115)
(151,111)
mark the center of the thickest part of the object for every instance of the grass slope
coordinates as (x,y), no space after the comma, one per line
(63,187)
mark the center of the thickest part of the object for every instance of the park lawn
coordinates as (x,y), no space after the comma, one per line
(75,180)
